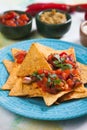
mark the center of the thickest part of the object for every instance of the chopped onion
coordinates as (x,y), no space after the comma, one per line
(27,80)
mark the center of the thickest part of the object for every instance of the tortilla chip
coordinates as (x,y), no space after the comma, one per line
(52,98)
(69,51)
(14,52)
(17,89)
(9,65)
(20,89)
(12,68)
(33,61)
(33,90)
(49,97)
(83,72)
(73,95)
(46,51)
(12,79)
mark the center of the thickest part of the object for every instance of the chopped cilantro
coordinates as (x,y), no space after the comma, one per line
(39,77)
(67,66)
(56,62)
(57,81)
(62,66)
(35,74)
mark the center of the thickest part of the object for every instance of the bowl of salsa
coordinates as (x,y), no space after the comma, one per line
(15,24)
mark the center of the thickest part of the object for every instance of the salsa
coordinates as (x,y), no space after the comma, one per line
(62,60)
(65,67)
(14,19)
(20,56)
(63,77)
(50,82)
(47,80)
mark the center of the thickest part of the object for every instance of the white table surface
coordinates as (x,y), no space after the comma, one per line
(11,121)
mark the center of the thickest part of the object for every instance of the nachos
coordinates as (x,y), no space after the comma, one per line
(45,72)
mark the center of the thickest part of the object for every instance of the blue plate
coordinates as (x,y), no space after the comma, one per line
(35,107)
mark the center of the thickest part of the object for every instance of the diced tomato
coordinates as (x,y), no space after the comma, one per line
(61,85)
(75,72)
(46,72)
(12,18)
(39,83)
(62,54)
(14,14)
(10,23)
(70,83)
(40,71)
(7,16)
(24,17)
(53,72)
(66,87)
(20,56)
(44,80)
(70,62)
(21,22)
(65,74)
(20,59)
(67,71)
(3,21)
(42,83)
(52,90)
(58,71)
(77,83)
(10,15)
(20,53)
(50,57)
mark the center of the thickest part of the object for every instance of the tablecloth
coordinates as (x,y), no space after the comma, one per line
(11,121)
